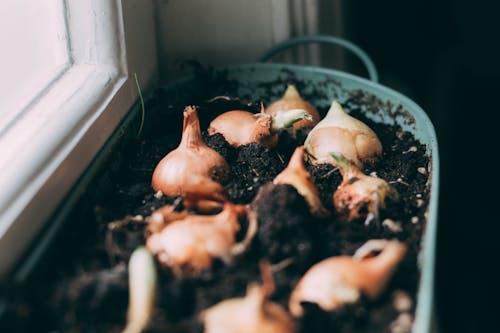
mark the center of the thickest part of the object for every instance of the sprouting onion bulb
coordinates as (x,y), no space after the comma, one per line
(359,195)
(339,132)
(188,170)
(189,244)
(250,314)
(242,127)
(292,100)
(142,290)
(296,174)
(341,280)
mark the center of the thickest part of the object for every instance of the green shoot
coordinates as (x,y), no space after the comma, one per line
(285,119)
(143,109)
(342,162)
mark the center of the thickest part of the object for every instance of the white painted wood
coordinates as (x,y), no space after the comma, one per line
(45,151)
(32,55)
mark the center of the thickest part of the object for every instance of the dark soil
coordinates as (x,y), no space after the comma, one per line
(82,286)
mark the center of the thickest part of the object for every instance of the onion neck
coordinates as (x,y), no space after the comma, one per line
(255,299)
(257,295)
(379,269)
(285,119)
(295,167)
(297,160)
(191,131)
(291,92)
(296,174)
(336,110)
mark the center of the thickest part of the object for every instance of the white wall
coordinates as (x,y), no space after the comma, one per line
(221,32)
(217,31)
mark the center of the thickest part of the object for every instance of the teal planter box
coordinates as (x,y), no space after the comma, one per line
(394,107)
(327,84)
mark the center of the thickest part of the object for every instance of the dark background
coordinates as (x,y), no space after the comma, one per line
(445,55)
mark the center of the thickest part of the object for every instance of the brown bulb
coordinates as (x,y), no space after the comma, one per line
(359,195)
(337,281)
(242,127)
(188,245)
(340,133)
(253,313)
(190,169)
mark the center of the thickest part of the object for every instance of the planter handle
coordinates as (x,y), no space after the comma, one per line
(324,39)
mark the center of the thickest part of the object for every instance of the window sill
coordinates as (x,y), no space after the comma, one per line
(46,149)
(36,178)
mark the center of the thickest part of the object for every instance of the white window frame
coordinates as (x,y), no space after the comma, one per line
(44,152)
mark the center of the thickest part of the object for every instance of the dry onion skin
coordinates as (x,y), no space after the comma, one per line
(296,174)
(187,171)
(291,100)
(359,195)
(143,282)
(253,313)
(188,245)
(338,281)
(242,127)
(341,133)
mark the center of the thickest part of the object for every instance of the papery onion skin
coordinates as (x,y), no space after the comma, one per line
(189,245)
(365,193)
(291,99)
(250,314)
(253,313)
(341,280)
(339,132)
(189,169)
(242,127)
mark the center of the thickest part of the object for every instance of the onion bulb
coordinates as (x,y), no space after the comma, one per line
(188,170)
(341,280)
(190,243)
(142,290)
(242,127)
(250,314)
(341,133)
(295,174)
(292,100)
(360,195)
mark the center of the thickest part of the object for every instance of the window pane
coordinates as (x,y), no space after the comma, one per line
(34,52)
